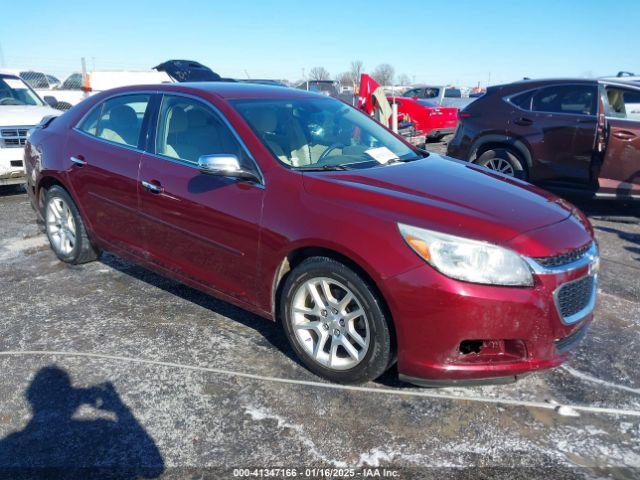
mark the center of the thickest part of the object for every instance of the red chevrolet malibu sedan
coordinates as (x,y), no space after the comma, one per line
(304,210)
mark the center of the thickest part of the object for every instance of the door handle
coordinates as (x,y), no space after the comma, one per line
(79,160)
(624,135)
(523,121)
(153,187)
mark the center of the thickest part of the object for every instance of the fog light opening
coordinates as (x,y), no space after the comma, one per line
(470,346)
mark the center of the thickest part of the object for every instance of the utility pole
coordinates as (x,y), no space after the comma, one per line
(2,64)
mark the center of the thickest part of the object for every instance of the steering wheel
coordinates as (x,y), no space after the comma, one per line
(325,154)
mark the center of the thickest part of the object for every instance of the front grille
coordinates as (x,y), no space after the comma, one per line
(575,296)
(563,259)
(14,137)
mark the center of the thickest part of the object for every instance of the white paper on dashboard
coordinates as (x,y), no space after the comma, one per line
(14,83)
(381,154)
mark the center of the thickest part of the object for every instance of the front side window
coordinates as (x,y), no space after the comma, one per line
(189,129)
(321,132)
(13,91)
(431,92)
(573,99)
(118,119)
(623,103)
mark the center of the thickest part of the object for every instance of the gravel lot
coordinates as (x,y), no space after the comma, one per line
(185,384)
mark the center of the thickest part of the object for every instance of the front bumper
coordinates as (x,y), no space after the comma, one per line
(510,331)
(12,169)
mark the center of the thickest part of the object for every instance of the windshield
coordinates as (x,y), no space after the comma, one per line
(321,132)
(14,91)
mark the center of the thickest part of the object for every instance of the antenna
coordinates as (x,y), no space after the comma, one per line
(2,64)
(247,74)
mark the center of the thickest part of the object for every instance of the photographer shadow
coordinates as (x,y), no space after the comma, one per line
(65,440)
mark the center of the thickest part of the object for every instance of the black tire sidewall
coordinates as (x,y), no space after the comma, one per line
(505,154)
(377,358)
(57,192)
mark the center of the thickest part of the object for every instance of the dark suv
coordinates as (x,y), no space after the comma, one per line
(563,134)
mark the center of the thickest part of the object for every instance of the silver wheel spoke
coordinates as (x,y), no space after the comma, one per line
(352,315)
(313,290)
(346,300)
(319,346)
(308,326)
(333,355)
(356,336)
(351,350)
(327,293)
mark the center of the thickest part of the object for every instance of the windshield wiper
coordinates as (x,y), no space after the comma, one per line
(320,168)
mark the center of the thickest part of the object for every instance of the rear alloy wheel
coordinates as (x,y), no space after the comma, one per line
(65,228)
(503,161)
(334,322)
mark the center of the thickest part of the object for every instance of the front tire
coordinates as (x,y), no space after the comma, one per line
(335,322)
(503,161)
(65,229)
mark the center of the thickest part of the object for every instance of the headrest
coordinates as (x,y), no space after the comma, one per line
(123,115)
(264,120)
(178,121)
(197,118)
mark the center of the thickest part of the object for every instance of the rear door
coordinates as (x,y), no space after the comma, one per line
(203,226)
(620,172)
(559,123)
(104,153)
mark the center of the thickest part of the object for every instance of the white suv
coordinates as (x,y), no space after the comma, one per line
(20,109)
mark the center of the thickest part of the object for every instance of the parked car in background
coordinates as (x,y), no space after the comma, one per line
(427,116)
(443,95)
(54,82)
(569,134)
(263,81)
(301,208)
(20,110)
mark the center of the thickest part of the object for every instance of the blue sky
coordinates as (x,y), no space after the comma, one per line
(459,42)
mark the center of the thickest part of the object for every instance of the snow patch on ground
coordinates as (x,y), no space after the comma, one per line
(13,247)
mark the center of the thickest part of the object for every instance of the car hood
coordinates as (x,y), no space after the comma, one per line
(24,115)
(446,195)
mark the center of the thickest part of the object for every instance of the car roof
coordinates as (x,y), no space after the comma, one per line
(226,90)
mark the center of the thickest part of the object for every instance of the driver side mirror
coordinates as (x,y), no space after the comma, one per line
(225,165)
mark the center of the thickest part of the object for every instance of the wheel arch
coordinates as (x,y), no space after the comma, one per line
(301,253)
(489,142)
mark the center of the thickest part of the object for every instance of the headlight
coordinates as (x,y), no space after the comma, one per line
(468,260)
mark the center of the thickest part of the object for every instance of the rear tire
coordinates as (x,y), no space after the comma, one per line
(503,161)
(319,308)
(65,229)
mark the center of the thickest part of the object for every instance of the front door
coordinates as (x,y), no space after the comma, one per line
(205,227)
(620,172)
(559,122)
(105,154)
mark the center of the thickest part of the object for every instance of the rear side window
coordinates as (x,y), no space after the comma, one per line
(90,123)
(572,99)
(414,92)
(523,100)
(118,120)
(189,129)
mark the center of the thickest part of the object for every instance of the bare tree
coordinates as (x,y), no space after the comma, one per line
(383,74)
(355,71)
(345,79)
(404,79)
(319,73)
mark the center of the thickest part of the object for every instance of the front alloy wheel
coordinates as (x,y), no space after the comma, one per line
(335,321)
(330,323)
